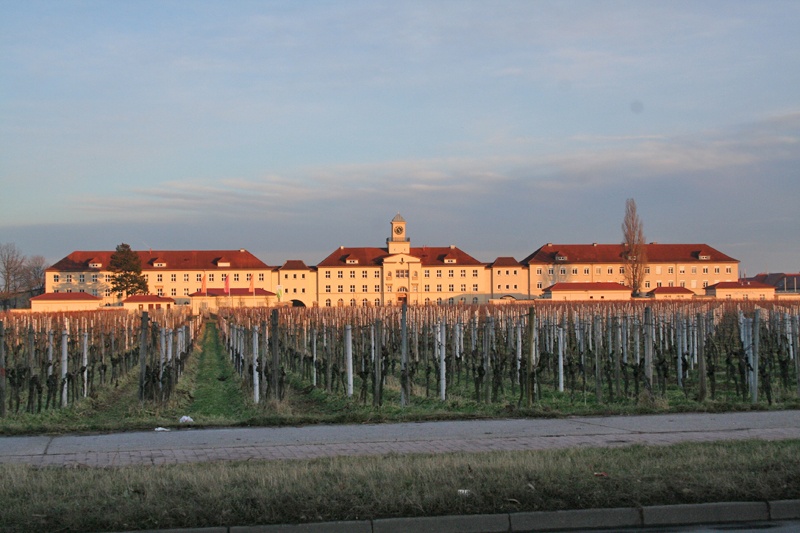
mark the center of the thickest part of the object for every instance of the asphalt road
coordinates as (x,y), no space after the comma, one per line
(196,445)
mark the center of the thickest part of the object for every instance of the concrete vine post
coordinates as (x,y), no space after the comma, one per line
(377,360)
(701,359)
(442,361)
(598,382)
(85,364)
(530,378)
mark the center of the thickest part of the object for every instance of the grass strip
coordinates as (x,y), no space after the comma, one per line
(357,488)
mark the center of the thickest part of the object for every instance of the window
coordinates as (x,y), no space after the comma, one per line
(550,271)
(173,291)
(694,270)
(211,277)
(186,291)
(377,302)
(160,278)
(585,271)
(574,271)
(670,270)
(475,300)
(94,279)
(363,274)
(539,285)
(352,274)
(364,288)
(186,277)
(247,278)
(107,292)
(340,288)
(475,273)
(705,270)
(658,284)
(55,278)
(377,273)
(161,292)
(328,302)
(426,273)
(716,270)
(427,301)
(499,286)
(463,273)
(81,278)
(328,274)
(327,288)
(670,284)
(438,288)
(339,274)
(426,288)
(377,288)
(597,270)
(705,284)
(68,278)
(682,284)
(450,273)
(610,270)
(646,284)
(463,287)
(474,287)
(286,276)
(261,276)
(236,277)
(450,301)
(539,271)
(451,288)
(728,270)
(352,302)
(364,302)
(621,270)
(681,270)
(352,288)
(438,273)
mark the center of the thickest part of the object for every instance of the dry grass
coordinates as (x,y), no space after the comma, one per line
(219,494)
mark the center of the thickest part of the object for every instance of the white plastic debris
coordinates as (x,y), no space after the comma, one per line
(186,419)
(161,429)
(464,492)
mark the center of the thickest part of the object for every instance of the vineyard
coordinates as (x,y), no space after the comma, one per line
(464,360)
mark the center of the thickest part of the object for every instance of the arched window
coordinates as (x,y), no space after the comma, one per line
(328,302)
(364,302)
(340,303)
(377,302)
(352,302)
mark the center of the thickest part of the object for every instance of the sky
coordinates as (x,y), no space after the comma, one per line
(292,128)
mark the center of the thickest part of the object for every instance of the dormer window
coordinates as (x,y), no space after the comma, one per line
(95,264)
(223,262)
(159,264)
(352,261)
(704,257)
(450,260)
(560,257)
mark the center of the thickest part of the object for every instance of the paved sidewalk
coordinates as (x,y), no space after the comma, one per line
(197,445)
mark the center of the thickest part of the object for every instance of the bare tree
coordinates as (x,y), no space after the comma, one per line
(33,271)
(11,263)
(635,252)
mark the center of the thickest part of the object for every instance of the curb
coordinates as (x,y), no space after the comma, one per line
(582,519)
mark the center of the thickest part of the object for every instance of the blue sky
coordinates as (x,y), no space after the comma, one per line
(290,128)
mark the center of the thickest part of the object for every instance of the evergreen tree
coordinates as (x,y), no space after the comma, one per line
(127,267)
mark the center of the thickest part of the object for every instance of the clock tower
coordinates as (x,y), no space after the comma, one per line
(398,243)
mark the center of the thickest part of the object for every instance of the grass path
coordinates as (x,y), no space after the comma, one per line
(217,392)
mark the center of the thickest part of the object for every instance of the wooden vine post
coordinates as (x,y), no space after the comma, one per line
(2,370)
(275,355)
(143,354)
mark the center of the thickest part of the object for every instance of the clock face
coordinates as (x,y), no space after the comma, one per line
(399,230)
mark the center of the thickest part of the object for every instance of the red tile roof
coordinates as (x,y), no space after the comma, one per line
(506,262)
(428,256)
(671,290)
(147,298)
(294,264)
(234,292)
(79,261)
(615,253)
(65,296)
(597,286)
(741,284)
